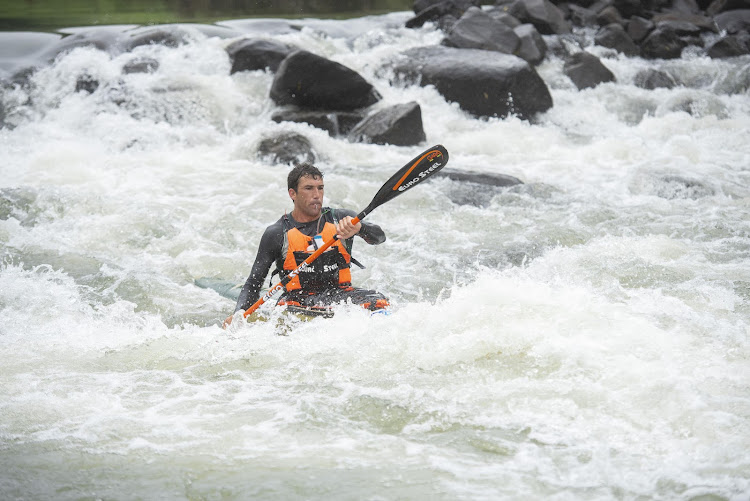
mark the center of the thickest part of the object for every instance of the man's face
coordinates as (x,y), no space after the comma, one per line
(308,198)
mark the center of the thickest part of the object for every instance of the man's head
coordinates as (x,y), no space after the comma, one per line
(305,185)
(300,170)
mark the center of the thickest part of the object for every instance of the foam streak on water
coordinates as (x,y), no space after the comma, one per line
(584,335)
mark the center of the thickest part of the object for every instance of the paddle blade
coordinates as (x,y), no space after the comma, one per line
(419,169)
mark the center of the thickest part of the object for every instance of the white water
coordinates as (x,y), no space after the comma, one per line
(583,336)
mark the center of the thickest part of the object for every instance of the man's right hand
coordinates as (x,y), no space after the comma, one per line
(228,321)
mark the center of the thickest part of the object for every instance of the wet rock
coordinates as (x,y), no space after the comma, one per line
(630,8)
(504,18)
(662,43)
(475,188)
(86,83)
(532,48)
(653,79)
(610,15)
(674,187)
(286,148)
(141,65)
(729,46)
(586,70)
(478,30)
(99,39)
(639,28)
(719,6)
(581,16)
(310,81)
(733,21)
(613,36)
(543,14)
(336,123)
(433,10)
(484,83)
(400,125)
(169,36)
(257,54)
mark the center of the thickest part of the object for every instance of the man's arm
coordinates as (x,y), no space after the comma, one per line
(268,251)
(370,233)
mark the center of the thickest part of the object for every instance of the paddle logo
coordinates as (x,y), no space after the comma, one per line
(421,176)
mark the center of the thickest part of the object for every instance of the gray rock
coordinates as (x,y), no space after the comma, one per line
(586,70)
(286,148)
(400,125)
(478,30)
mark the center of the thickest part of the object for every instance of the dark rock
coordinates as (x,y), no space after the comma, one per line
(733,21)
(629,8)
(662,43)
(484,83)
(478,30)
(729,46)
(543,14)
(653,79)
(400,125)
(532,48)
(156,35)
(310,81)
(586,70)
(336,123)
(98,39)
(475,188)
(504,18)
(610,15)
(433,10)
(141,65)
(581,16)
(674,187)
(639,28)
(685,6)
(257,54)
(685,24)
(613,36)
(86,83)
(719,6)
(286,148)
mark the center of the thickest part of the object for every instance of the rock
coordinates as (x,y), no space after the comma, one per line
(629,8)
(433,10)
(286,148)
(499,180)
(336,123)
(140,65)
(639,28)
(475,188)
(729,46)
(653,79)
(257,54)
(543,14)
(99,39)
(478,30)
(484,83)
(613,36)
(609,15)
(719,6)
(310,81)
(400,125)
(662,43)
(169,36)
(586,70)
(532,48)
(87,83)
(504,18)
(733,21)
(581,16)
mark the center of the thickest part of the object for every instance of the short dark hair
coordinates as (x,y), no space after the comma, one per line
(302,169)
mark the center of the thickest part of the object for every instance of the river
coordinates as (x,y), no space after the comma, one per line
(582,336)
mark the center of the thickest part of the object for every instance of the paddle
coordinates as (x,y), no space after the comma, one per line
(411,174)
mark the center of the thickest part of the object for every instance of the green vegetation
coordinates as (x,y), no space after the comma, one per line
(49,15)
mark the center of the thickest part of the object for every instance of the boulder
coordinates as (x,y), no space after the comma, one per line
(653,79)
(719,6)
(400,125)
(613,36)
(483,83)
(475,188)
(310,81)
(581,16)
(257,54)
(609,15)
(729,46)
(336,123)
(733,21)
(586,70)
(433,10)
(543,14)
(662,43)
(478,30)
(532,48)
(169,36)
(140,65)
(286,148)
(639,28)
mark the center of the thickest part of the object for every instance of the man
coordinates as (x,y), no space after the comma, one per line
(291,239)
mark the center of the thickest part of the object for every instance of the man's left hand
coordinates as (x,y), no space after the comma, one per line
(345,229)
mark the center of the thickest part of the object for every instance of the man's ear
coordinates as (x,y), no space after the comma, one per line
(292,194)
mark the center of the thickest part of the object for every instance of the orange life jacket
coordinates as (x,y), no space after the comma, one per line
(329,270)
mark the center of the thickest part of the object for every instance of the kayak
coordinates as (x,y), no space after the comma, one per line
(231,290)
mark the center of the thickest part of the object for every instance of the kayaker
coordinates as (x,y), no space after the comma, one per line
(291,239)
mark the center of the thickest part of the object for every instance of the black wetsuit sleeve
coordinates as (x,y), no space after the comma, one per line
(370,233)
(268,251)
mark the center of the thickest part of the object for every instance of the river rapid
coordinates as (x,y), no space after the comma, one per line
(582,336)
